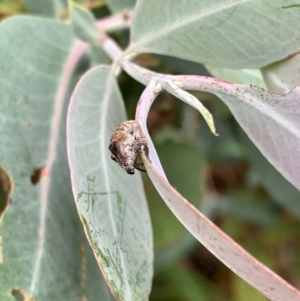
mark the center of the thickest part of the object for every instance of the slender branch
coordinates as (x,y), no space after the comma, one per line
(185,82)
(166,81)
(110,24)
(142,75)
(205,84)
(111,48)
(115,22)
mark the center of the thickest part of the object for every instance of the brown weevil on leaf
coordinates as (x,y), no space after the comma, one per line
(126,143)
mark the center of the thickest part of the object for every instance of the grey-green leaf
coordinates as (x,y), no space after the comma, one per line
(83,24)
(271,121)
(44,254)
(220,245)
(120,5)
(168,231)
(220,33)
(111,203)
(283,76)
(282,191)
(49,8)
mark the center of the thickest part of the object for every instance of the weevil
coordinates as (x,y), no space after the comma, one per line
(126,143)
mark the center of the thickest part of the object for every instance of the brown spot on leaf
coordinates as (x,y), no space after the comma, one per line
(36,175)
(6,187)
(20,294)
(29,126)
(126,17)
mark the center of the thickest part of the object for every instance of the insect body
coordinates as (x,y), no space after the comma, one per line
(126,143)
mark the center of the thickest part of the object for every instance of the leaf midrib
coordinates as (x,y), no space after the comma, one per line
(103,146)
(54,137)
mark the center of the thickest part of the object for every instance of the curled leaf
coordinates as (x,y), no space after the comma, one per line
(221,245)
(192,101)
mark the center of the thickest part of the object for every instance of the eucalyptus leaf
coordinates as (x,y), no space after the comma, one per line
(220,33)
(43,249)
(83,24)
(97,56)
(219,244)
(168,232)
(281,191)
(49,8)
(283,76)
(243,291)
(120,5)
(111,203)
(271,121)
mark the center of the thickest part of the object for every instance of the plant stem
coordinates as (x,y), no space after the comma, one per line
(115,22)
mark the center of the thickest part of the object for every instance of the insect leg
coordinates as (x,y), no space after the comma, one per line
(146,150)
(139,165)
(140,169)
